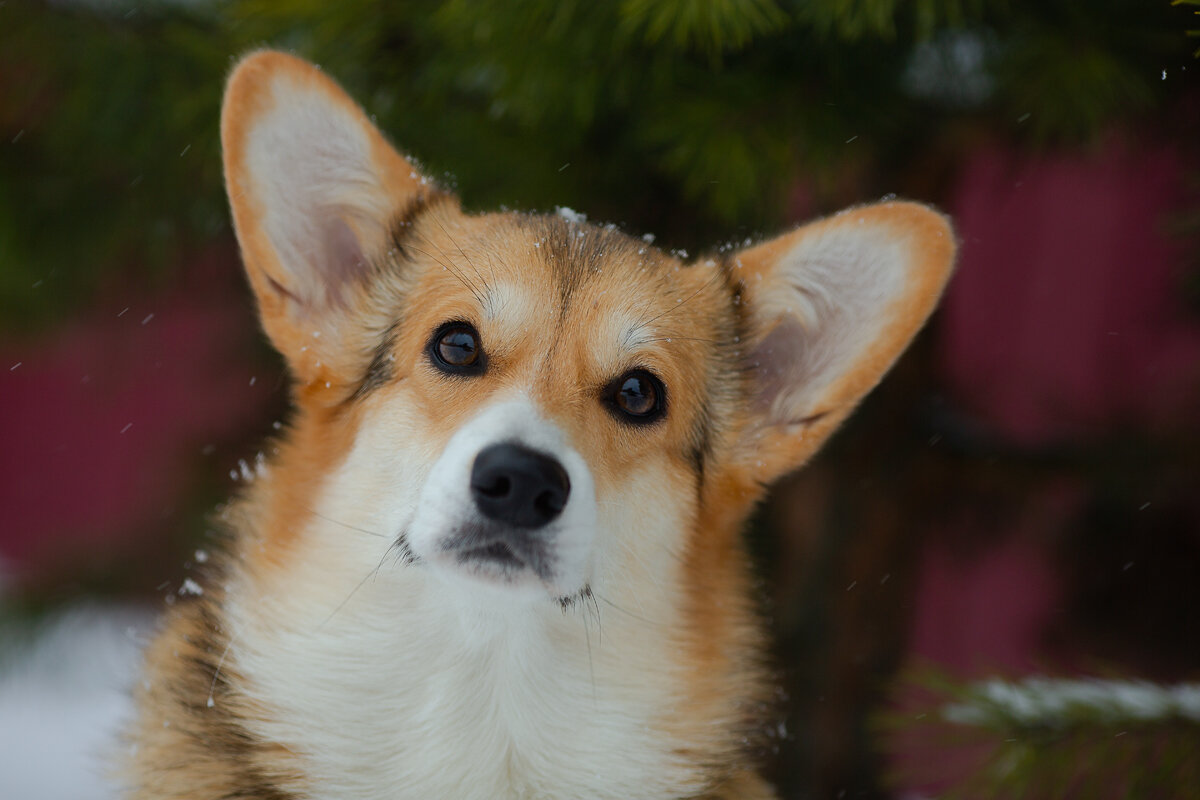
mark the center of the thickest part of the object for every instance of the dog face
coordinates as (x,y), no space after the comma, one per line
(562,423)
(526,407)
(569,415)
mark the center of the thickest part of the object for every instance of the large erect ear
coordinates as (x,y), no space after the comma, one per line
(831,306)
(314,188)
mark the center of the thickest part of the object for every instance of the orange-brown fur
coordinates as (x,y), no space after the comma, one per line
(713,452)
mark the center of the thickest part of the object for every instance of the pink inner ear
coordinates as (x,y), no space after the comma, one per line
(778,363)
(344,262)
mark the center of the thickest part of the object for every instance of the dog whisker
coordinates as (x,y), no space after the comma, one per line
(589,595)
(446,263)
(591,664)
(682,339)
(463,253)
(683,302)
(348,526)
(217,672)
(627,612)
(451,269)
(400,541)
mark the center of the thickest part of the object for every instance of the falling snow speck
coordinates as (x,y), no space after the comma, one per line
(14,366)
(570,214)
(201,556)
(190,587)
(149,317)
(127,427)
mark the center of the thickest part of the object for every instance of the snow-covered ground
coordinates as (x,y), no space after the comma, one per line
(64,693)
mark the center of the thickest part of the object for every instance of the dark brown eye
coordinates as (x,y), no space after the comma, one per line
(455,348)
(638,396)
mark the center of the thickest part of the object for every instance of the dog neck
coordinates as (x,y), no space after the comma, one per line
(413,690)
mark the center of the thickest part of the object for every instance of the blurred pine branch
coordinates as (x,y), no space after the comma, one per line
(694,118)
(1190,32)
(1043,737)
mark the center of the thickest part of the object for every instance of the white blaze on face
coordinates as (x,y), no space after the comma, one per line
(445,505)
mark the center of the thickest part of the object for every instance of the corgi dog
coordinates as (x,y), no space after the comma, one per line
(496,551)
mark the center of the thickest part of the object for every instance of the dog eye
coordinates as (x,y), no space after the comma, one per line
(638,396)
(455,348)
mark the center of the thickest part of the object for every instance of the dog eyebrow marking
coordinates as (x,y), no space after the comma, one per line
(577,252)
(404,219)
(700,443)
(635,335)
(506,299)
(380,370)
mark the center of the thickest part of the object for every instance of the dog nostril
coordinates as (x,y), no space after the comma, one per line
(551,502)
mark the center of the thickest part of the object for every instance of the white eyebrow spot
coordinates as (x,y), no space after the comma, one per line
(627,330)
(508,301)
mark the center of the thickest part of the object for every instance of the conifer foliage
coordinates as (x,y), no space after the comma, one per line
(694,118)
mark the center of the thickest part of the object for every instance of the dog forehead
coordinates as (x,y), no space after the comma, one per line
(593,275)
(610,296)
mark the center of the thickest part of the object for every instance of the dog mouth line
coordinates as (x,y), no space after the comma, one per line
(497,553)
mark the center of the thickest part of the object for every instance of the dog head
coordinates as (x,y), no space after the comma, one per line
(526,406)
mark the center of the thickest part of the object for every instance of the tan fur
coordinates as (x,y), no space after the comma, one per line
(562,308)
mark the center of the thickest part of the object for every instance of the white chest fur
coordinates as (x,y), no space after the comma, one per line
(404,693)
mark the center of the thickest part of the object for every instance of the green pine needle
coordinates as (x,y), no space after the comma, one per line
(710,26)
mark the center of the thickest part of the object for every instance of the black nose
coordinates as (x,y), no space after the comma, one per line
(518,486)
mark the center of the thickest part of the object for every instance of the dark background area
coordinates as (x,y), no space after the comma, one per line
(1023,492)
